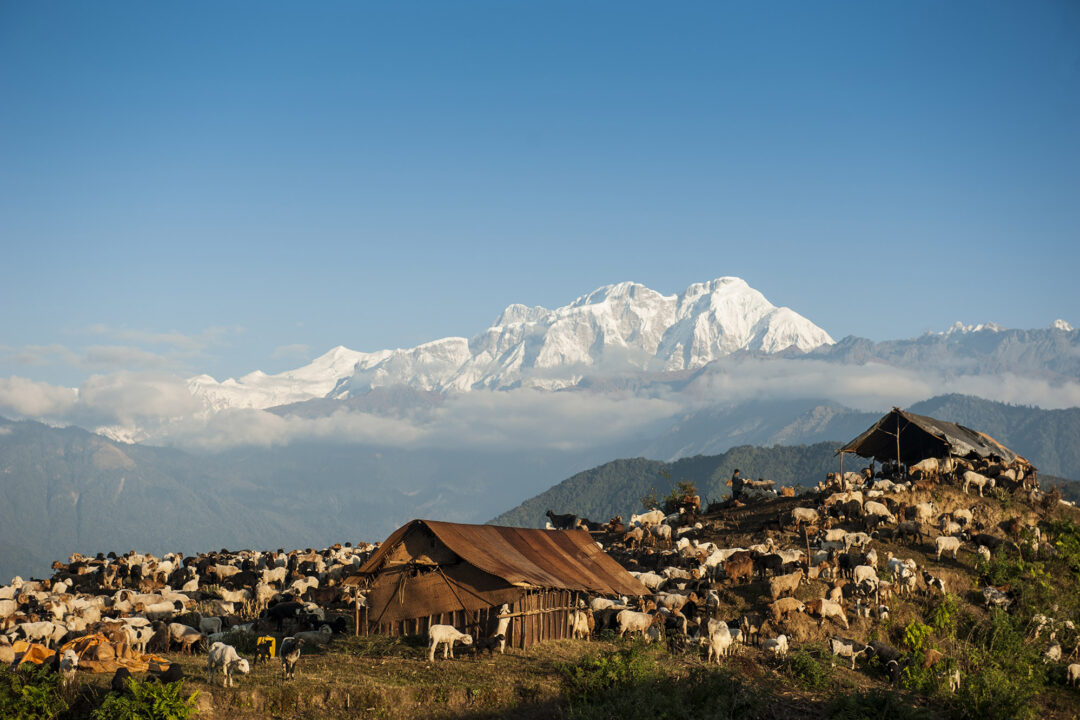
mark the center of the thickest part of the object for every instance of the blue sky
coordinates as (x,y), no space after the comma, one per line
(214,187)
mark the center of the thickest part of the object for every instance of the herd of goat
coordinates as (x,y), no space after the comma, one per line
(822,545)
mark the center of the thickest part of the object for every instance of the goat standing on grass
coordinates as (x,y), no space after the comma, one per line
(289,653)
(447,635)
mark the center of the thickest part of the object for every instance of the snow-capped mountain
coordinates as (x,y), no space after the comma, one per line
(619,328)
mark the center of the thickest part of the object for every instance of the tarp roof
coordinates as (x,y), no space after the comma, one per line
(921,437)
(562,559)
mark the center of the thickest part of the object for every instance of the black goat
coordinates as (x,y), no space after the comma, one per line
(562,522)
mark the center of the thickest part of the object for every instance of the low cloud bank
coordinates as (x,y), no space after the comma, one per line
(159,408)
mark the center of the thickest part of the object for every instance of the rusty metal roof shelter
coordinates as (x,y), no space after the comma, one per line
(909,438)
(428,571)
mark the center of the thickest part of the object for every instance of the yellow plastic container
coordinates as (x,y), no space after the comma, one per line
(273,644)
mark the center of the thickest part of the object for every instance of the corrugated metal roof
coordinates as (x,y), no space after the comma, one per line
(563,559)
(922,436)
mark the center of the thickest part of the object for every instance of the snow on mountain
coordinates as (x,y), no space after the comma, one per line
(624,327)
(1060,324)
(961,328)
(259,390)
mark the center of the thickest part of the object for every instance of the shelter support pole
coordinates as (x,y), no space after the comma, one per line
(897,444)
(356,616)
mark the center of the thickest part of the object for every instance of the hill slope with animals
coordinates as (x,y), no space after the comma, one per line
(925,600)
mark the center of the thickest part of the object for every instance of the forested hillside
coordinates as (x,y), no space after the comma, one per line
(618,486)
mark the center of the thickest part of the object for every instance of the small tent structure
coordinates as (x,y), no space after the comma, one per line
(429,572)
(909,438)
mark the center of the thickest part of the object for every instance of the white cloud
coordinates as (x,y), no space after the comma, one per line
(26,398)
(127,397)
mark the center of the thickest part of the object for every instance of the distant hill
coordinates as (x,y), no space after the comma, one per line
(617,487)
(65,490)
(1049,438)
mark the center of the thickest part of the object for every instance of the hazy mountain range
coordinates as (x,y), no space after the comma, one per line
(64,489)
(355,443)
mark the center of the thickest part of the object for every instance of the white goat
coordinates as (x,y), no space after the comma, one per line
(447,635)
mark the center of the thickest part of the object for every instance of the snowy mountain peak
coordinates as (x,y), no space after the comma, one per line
(619,328)
(959,327)
(517,313)
(1060,324)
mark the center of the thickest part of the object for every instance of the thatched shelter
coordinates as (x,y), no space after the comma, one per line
(430,572)
(908,438)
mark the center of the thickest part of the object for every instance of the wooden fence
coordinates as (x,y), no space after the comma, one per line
(537,615)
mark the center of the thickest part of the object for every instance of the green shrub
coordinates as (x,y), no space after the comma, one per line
(31,692)
(942,618)
(808,670)
(874,705)
(636,682)
(996,694)
(147,701)
(915,635)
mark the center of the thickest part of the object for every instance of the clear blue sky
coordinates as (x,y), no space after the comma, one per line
(382,174)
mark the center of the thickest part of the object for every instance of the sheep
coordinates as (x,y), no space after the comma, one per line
(316,637)
(945,543)
(778,646)
(750,626)
(633,537)
(962,516)
(857,539)
(631,621)
(933,582)
(44,632)
(801,515)
(993,596)
(973,478)
(289,652)
(185,636)
(864,573)
(718,640)
(69,662)
(876,508)
(653,517)
(954,681)
(1052,653)
(739,566)
(501,628)
(662,532)
(224,658)
(650,579)
(1073,674)
(580,622)
(781,584)
(447,635)
(7,652)
(827,609)
(926,468)
(783,606)
(210,625)
(984,553)
(844,647)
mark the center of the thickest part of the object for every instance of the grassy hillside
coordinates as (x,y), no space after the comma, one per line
(617,487)
(996,652)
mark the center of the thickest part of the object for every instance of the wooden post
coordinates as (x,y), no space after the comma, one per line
(843,485)
(898,445)
(356,615)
